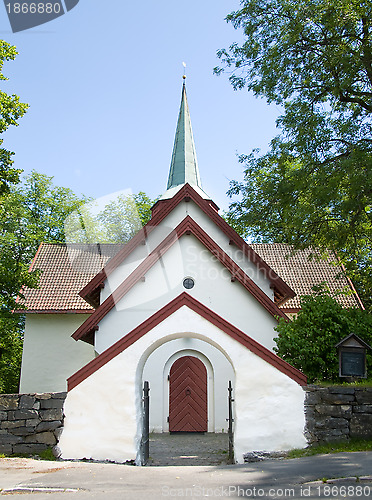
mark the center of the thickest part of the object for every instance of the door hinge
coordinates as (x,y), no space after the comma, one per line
(168,420)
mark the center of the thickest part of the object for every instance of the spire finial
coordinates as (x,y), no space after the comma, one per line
(184,71)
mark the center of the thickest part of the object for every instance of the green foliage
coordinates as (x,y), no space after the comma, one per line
(314,185)
(31,212)
(336,447)
(116,222)
(11,109)
(47,455)
(308,342)
(11,340)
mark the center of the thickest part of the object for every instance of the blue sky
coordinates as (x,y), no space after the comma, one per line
(104,87)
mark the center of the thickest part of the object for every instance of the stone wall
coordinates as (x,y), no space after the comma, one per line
(338,413)
(30,423)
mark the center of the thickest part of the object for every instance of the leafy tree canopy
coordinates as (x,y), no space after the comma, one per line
(11,109)
(308,342)
(115,221)
(314,185)
(30,212)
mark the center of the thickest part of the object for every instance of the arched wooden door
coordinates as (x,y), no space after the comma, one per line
(188,410)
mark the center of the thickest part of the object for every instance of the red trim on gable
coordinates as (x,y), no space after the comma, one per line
(161,209)
(188,225)
(184,299)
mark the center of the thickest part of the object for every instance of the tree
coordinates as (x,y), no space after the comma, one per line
(11,109)
(314,185)
(117,221)
(308,342)
(30,213)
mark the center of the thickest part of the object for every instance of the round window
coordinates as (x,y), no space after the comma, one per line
(188,283)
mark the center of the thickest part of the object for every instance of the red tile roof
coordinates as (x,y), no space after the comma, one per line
(301,270)
(66,270)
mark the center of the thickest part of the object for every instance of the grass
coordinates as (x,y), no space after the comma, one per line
(42,455)
(357,384)
(336,447)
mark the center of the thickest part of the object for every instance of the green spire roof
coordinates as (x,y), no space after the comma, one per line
(184,165)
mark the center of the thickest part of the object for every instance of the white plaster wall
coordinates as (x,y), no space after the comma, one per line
(50,355)
(103,413)
(213,287)
(164,228)
(219,372)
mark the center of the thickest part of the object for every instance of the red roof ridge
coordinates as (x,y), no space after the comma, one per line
(163,313)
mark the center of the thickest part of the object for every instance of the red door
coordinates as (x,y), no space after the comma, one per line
(188,396)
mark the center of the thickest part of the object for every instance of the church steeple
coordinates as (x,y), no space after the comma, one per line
(184,164)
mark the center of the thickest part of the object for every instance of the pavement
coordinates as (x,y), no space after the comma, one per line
(282,478)
(188,449)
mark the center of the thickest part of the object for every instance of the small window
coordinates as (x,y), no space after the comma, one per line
(188,283)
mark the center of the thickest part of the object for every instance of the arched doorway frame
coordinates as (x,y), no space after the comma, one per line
(210,385)
(150,349)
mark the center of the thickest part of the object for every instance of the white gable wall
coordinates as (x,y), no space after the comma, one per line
(50,355)
(166,227)
(103,411)
(213,288)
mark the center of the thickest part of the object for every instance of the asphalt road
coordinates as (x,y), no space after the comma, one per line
(268,479)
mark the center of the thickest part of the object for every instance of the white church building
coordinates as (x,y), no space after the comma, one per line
(186,305)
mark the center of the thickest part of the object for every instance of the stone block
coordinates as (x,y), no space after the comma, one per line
(48,426)
(13,425)
(25,414)
(52,414)
(362,409)
(43,395)
(26,401)
(338,399)
(3,415)
(313,398)
(9,402)
(58,433)
(363,396)
(361,426)
(9,439)
(341,390)
(334,410)
(33,422)
(332,423)
(47,438)
(23,431)
(29,449)
(52,404)
(59,395)
(7,449)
